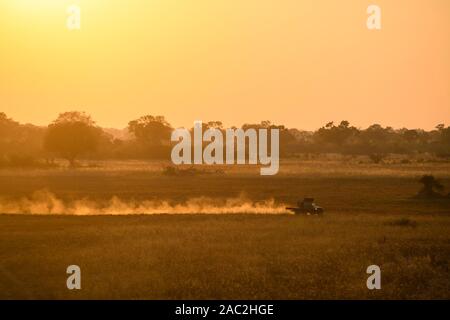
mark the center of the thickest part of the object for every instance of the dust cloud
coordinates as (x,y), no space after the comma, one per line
(45,202)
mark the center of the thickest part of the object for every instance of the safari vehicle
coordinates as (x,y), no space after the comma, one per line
(307,206)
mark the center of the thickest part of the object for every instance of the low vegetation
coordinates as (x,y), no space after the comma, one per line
(224,257)
(371,217)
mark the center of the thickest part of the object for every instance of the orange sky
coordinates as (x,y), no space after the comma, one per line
(298,63)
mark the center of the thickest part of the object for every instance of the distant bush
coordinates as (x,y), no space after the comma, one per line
(443,155)
(23,161)
(376,157)
(190,171)
(431,187)
(403,222)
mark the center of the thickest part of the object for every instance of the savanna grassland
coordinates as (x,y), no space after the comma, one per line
(370,218)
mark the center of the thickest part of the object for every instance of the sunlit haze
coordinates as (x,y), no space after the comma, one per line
(298,63)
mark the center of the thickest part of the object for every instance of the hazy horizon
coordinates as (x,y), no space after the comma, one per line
(255,121)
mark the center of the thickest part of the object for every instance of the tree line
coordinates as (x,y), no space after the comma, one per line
(74,135)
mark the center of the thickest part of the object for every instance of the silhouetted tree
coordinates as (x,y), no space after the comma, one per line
(150,130)
(334,138)
(19,142)
(74,133)
(8,128)
(446,136)
(71,135)
(215,125)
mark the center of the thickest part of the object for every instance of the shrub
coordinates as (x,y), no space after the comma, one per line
(403,222)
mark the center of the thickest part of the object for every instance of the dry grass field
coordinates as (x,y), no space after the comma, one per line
(370,217)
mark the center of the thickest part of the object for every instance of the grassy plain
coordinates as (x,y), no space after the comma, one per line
(370,218)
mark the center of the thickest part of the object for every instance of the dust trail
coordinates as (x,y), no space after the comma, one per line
(45,202)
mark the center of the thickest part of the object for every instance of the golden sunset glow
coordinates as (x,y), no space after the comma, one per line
(298,63)
(224,157)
